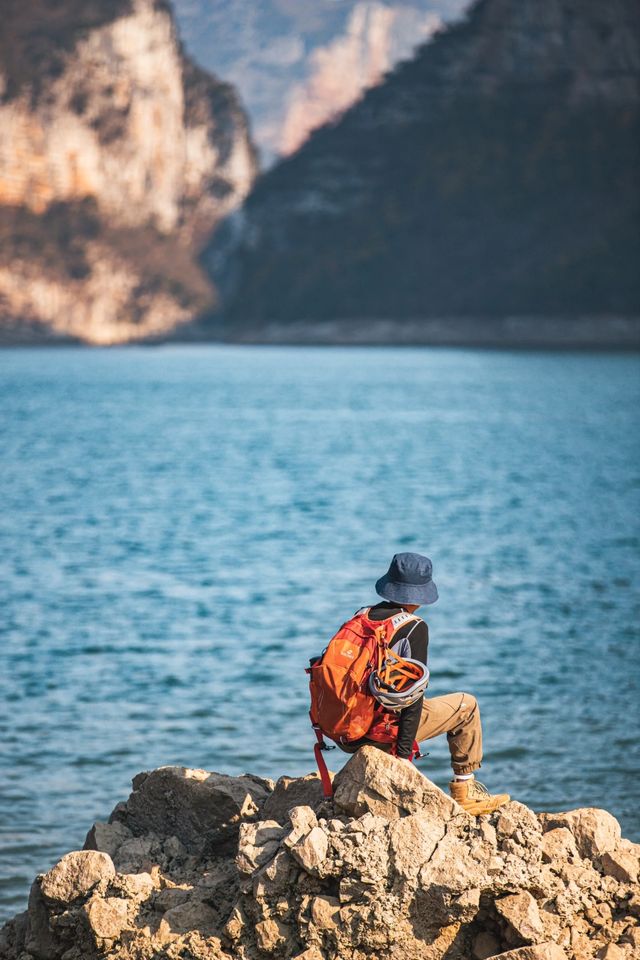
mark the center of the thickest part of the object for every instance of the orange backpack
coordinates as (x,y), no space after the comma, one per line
(342,707)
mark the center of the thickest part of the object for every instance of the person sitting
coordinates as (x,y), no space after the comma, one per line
(408,585)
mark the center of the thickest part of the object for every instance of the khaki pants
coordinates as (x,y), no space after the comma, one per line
(457,715)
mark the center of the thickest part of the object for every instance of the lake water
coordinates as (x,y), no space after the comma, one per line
(182,527)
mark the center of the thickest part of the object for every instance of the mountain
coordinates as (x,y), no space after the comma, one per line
(118,155)
(298,63)
(486,190)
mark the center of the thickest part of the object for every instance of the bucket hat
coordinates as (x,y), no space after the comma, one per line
(408,580)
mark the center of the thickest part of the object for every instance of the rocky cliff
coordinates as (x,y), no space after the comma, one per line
(203,865)
(489,185)
(117,157)
(300,63)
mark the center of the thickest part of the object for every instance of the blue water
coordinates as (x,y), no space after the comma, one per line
(182,527)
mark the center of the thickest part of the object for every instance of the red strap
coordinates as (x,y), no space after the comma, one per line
(318,749)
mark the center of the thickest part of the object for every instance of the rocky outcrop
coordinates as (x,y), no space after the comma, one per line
(202,865)
(300,64)
(117,158)
(486,192)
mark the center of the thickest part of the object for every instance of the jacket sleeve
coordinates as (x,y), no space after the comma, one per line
(410,717)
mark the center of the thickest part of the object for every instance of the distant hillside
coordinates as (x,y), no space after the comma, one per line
(118,156)
(297,63)
(492,177)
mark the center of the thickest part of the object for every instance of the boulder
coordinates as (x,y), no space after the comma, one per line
(373,781)
(107,918)
(107,837)
(521,912)
(311,850)
(292,792)
(620,864)
(191,915)
(257,844)
(75,875)
(595,831)
(202,809)
(270,934)
(558,844)
(543,951)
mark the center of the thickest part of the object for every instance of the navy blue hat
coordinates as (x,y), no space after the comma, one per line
(408,580)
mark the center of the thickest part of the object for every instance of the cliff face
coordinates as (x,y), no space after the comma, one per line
(213,867)
(493,176)
(298,64)
(117,157)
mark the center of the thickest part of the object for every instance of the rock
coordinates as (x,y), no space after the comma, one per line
(174,849)
(311,850)
(40,939)
(107,918)
(293,792)
(302,820)
(413,839)
(75,875)
(612,951)
(136,854)
(134,886)
(401,886)
(620,864)
(558,844)
(521,912)
(192,915)
(172,897)
(312,953)
(270,934)
(374,781)
(543,951)
(198,807)
(595,831)
(257,844)
(325,912)
(107,837)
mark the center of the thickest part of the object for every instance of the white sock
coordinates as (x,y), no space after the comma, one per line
(463,776)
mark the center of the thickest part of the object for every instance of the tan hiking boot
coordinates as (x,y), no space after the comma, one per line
(475,798)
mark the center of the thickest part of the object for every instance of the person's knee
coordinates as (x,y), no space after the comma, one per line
(469,704)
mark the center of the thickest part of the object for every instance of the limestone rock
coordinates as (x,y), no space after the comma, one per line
(191,915)
(374,781)
(595,831)
(133,886)
(107,917)
(325,912)
(75,875)
(413,840)
(543,951)
(107,837)
(311,850)
(620,864)
(404,885)
(558,844)
(198,807)
(521,912)
(257,844)
(293,792)
(270,934)
(302,820)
